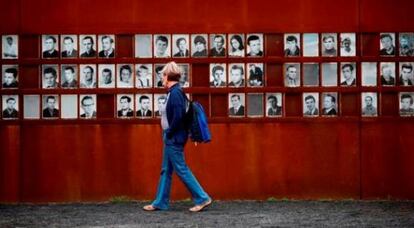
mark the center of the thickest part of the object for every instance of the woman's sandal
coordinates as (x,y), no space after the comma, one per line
(150,208)
(201,207)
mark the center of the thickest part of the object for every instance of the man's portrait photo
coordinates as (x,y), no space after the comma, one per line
(50,46)
(10,46)
(162,47)
(199,45)
(369,104)
(236,45)
(158,75)
(348,74)
(50,76)
(87,76)
(274,104)
(10,106)
(106,46)
(106,76)
(329,45)
(254,45)
(310,74)
(310,104)
(387,44)
(87,44)
(292,74)
(143,46)
(50,104)
(406,74)
(329,104)
(387,73)
(217,45)
(369,73)
(87,106)
(69,76)
(236,75)
(292,45)
(144,105)
(236,104)
(218,75)
(143,78)
(329,74)
(255,74)
(160,102)
(125,105)
(185,75)
(125,78)
(10,79)
(406,44)
(347,44)
(310,44)
(406,103)
(181,45)
(69,44)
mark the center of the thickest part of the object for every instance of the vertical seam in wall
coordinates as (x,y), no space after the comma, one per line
(359,100)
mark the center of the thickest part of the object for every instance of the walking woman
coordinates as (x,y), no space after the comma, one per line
(175,135)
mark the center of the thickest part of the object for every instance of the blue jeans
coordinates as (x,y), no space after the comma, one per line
(173,159)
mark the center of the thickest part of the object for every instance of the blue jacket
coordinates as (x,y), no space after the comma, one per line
(176,107)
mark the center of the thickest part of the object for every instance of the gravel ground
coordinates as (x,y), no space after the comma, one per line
(220,214)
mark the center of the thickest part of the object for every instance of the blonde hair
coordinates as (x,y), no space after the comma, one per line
(172,70)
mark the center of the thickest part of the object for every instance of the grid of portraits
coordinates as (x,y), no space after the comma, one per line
(235,74)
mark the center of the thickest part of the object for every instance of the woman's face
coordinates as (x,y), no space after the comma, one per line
(235,44)
(199,46)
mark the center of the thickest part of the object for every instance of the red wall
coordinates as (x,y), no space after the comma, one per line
(345,157)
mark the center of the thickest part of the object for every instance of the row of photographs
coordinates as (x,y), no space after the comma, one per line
(220,75)
(204,45)
(315,104)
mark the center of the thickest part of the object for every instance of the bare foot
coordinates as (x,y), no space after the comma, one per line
(198,208)
(149,208)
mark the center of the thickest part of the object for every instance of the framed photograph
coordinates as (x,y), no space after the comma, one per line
(348,44)
(387,44)
(329,74)
(50,76)
(387,73)
(255,104)
(143,76)
(406,44)
(31,107)
(254,45)
(125,105)
(106,76)
(143,46)
(144,105)
(87,103)
(329,45)
(369,73)
(310,44)
(10,79)
(255,74)
(162,45)
(406,103)
(348,74)
(50,46)
(181,45)
(160,101)
(50,106)
(406,74)
(236,75)
(69,44)
(292,44)
(126,76)
(87,76)
(330,104)
(310,104)
(69,106)
(106,46)
(69,76)
(158,75)
(236,104)
(369,104)
(292,74)
(10,106)
(274,104)
(87,44)
(310,74)
(236,45)
(10,46)
(199,45)
(218,75)
(185,74)
(217,45)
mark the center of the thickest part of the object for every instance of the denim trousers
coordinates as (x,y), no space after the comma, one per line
(173,160)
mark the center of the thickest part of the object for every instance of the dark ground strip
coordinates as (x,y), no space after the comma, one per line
(220,214)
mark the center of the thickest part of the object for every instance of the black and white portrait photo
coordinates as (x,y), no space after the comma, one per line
(199,45)
(406,74)
(87,76)
(50,76)
(347,44)
(144,105)
(31,107)
(69,46)
(369,73)
(10,77)
(185,74)
(254,44)
(87,44)
(387,73)
(406,103)
(292,44)
(162,46)
(310,74)
(274,104)
(217,45)
(69,76)
(50,106)
(50,46)
(369,104)
(329,74)
(406,44)
(218,75)
(255,104)
(88,106)
(106,46)
(348,74)
(310,104)
(255,74)
(69,106)
(387,44)
(292,74)
(10,106)
(106,76)
(125,76)
(125,105)
(158,75)
(329,104)
(236,45)
(160,102)
(236,104)
(181,45)
(237,76)
(143,74)
(143,46)
(310,44)
(329,45)
(10,46)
